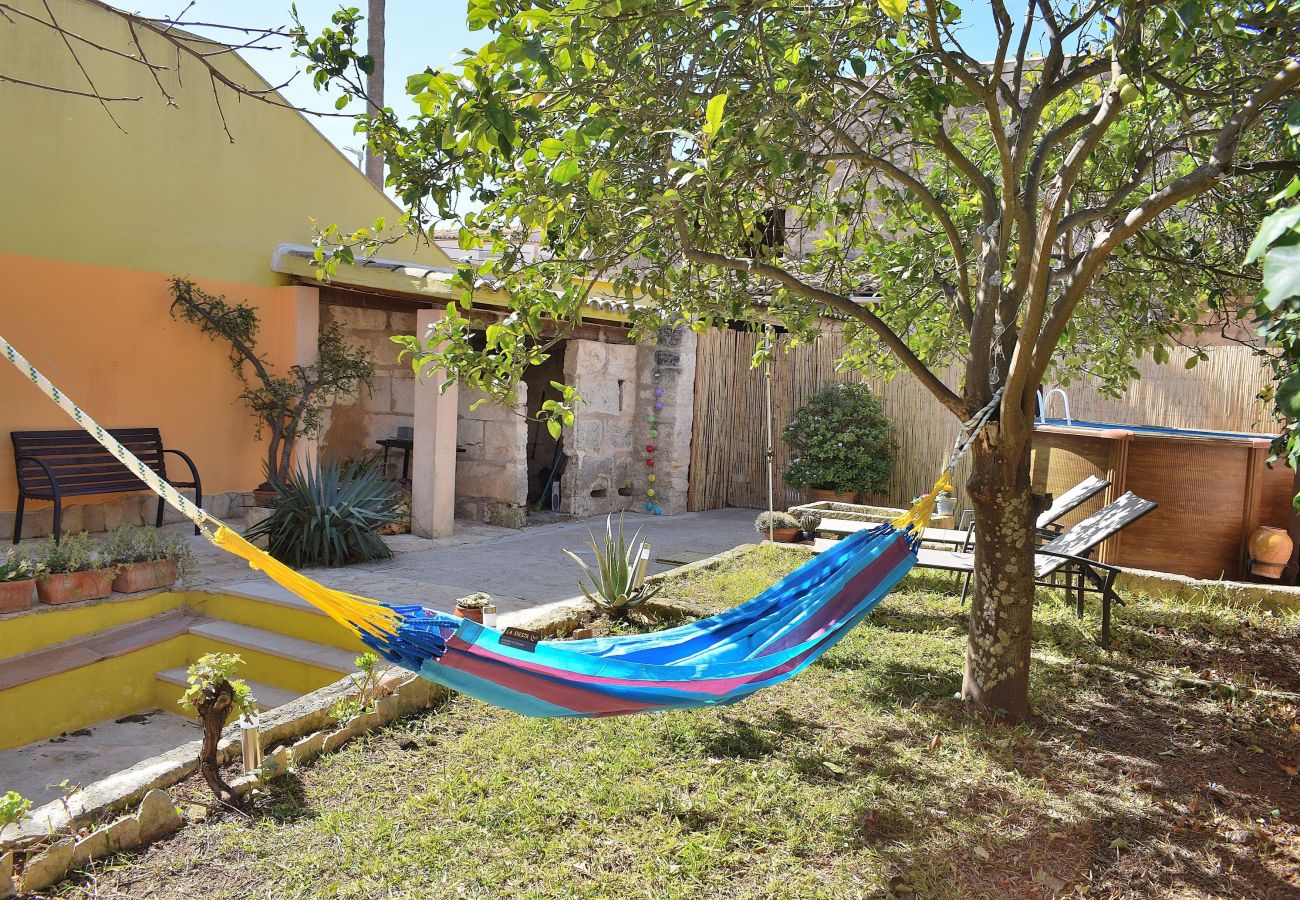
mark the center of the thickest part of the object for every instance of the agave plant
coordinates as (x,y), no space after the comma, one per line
(618,581)
(329,514)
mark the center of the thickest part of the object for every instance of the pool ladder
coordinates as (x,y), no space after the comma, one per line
(1045,399)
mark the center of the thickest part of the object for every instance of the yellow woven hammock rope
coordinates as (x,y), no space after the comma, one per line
(358,614)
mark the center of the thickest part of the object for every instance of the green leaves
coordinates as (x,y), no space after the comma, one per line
(713,114)
(565,170)
(895,9)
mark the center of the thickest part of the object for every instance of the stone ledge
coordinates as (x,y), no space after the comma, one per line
(1242,593)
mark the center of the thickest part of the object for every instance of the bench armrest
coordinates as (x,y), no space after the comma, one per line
(194,471)
(20,461)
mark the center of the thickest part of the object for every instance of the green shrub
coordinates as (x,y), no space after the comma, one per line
(776,519)
(840,439)
(75,553)
(328,514)
(13,806)
(145,544)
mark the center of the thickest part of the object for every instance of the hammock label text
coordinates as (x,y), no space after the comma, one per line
(520,639)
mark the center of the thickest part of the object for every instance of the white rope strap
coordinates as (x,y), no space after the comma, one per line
(970,430)
(151,478)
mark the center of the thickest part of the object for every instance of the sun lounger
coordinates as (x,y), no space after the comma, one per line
(1065,556)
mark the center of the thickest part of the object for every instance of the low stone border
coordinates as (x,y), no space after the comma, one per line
(1244,593)
(304,729)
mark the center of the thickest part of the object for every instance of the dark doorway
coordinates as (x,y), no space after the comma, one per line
(542,447)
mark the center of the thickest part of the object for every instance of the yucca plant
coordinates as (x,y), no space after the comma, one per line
(618,581)
(329,514)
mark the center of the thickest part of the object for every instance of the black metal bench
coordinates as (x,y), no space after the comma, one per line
(52,465)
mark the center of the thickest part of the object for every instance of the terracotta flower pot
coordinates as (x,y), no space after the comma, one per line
(16,596)
(827,494)
(784,535)
(473,613)
(1270,549)
(74,586)
(145,576)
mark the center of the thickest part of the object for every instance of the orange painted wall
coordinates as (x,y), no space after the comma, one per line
(106,337)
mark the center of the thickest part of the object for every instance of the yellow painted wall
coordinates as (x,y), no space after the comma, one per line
(94,220)
(299,623)
(170,192)
(81,697)
(46,627)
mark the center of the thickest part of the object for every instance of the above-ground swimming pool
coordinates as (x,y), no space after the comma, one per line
(1212,490)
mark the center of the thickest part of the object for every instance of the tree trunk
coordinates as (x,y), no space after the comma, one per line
(996,675)
(375,85)
(213,713)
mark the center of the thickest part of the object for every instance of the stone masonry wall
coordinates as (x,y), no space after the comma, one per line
(669,365)
(354,425)
(492,472)
(601,474)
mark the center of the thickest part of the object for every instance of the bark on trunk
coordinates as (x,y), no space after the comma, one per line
(213,713)
(996,674)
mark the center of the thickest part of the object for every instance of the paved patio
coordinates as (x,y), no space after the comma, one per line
(520,568)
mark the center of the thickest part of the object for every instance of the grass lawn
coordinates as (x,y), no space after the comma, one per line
(861,777)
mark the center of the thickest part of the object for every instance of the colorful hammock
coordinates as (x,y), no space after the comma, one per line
(714,661)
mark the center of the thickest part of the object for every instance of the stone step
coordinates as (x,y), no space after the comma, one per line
(267,696)
(280,645)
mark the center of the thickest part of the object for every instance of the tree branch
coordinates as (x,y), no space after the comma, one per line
(1198,181)
(834,301)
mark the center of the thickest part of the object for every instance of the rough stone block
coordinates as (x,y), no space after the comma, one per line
(91,847)
(38,523)
(589,435)
(123,511)
(470,434)
(618,439)
(307,749)
(403,393)
(503,442)
(667,359)
(6,525)
(276,763)
(47,867)
(584,358)
(157,816)
(355,318)
(336,739)
(124,834)
(507,515)
(7,888)
(670,337)
(92,517)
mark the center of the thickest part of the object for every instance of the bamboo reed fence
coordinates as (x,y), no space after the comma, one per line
(728,465)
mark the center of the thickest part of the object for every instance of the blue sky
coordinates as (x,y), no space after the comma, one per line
(421,33)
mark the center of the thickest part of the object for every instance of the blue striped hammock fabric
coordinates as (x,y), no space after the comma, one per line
(711,662)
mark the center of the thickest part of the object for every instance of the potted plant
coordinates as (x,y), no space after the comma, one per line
(945,504)
(74,570)
(808,523)
(618,581)
(147,559)
(17,578)
(783,526)
(842,444)
(471,607)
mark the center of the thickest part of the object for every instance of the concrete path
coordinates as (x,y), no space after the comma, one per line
(520,568)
